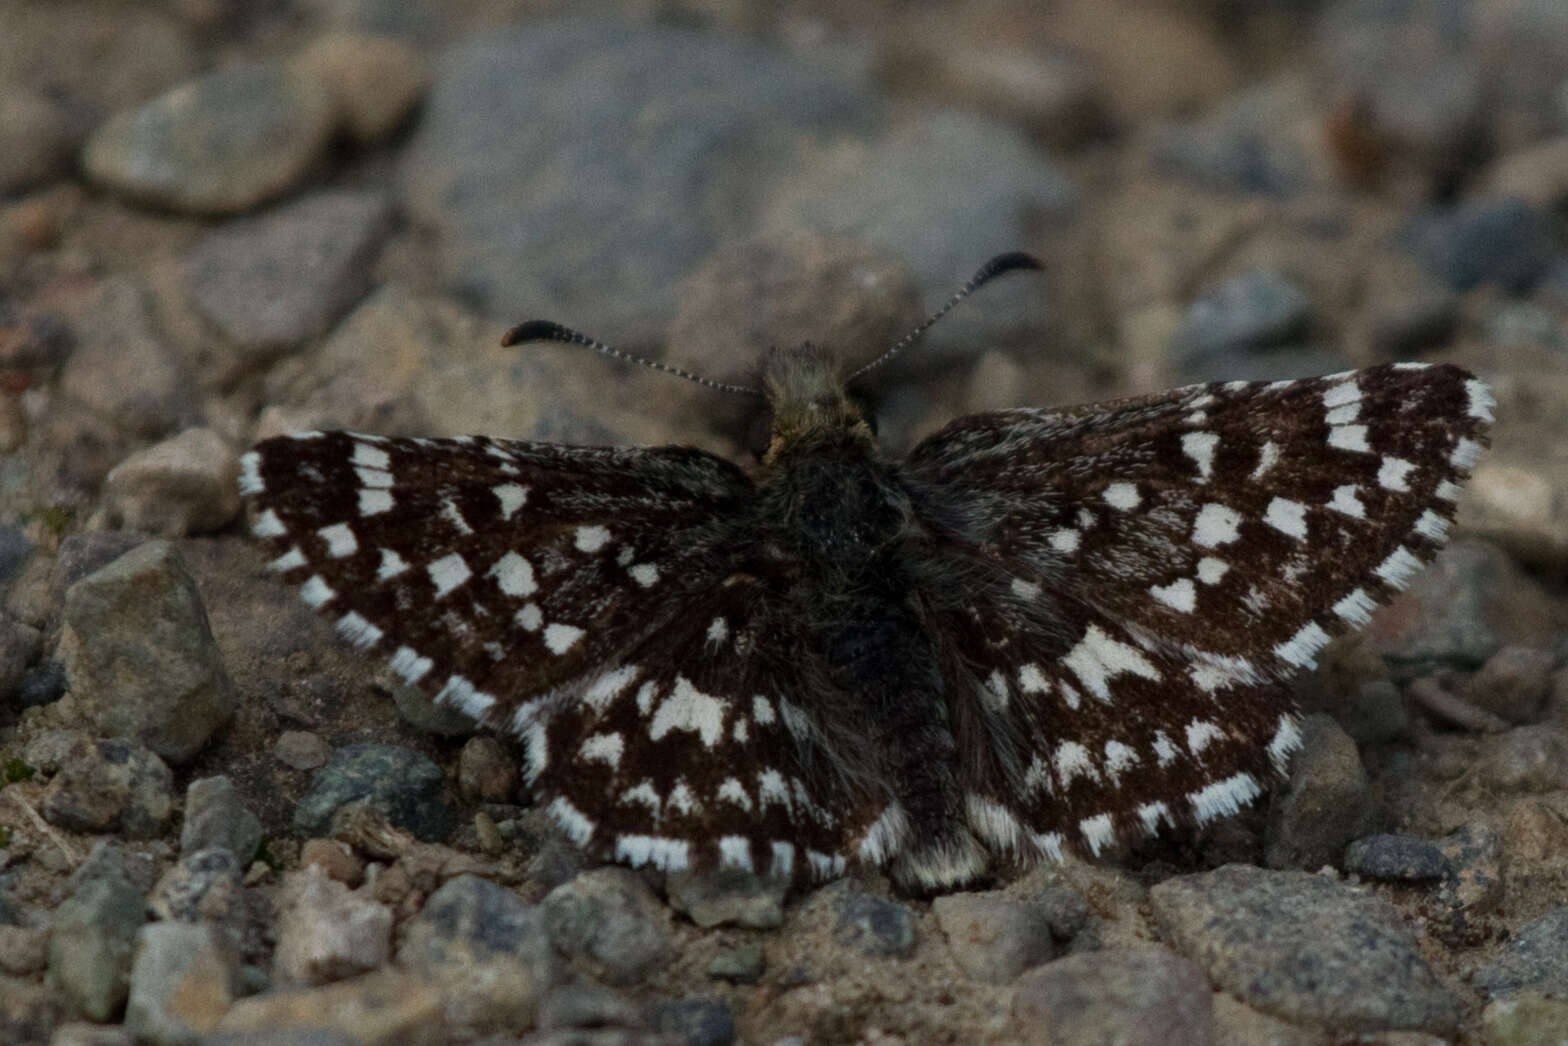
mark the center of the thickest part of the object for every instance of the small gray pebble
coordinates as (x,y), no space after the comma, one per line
(695,1021)
(875,926)
(1400,857)
(742,964)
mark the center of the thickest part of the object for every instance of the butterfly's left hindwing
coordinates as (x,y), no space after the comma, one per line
(687,753)
(1144,575)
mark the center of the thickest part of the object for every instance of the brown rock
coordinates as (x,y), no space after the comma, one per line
(327,932)
(374,80)
(1136,997)
(384,1008)
(184,485)
(484,771)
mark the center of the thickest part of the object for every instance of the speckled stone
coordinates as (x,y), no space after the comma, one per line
(140,654)
(1305,948)
(401,783)
(220,144)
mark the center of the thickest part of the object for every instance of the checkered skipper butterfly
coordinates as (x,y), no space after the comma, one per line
(1044,630)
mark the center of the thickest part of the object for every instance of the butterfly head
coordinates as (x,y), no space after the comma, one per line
(808,401)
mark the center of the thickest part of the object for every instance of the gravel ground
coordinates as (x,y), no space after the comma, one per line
(221,222)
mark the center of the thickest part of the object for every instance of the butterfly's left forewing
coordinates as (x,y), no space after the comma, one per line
(1143,576)
(589,600)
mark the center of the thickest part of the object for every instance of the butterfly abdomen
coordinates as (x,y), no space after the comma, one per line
(880,699)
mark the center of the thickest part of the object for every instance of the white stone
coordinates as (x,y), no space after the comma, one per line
(326,931)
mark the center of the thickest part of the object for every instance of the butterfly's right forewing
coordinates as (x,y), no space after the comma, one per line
(1143,577)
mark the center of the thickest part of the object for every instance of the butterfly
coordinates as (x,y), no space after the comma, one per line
(1042,631)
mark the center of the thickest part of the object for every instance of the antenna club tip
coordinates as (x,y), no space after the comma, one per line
(534,330)
(1011,261)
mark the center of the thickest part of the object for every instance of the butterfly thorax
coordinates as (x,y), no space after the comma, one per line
(830,497)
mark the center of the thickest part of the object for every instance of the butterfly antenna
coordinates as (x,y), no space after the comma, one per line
(544,330)
(1002,264)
